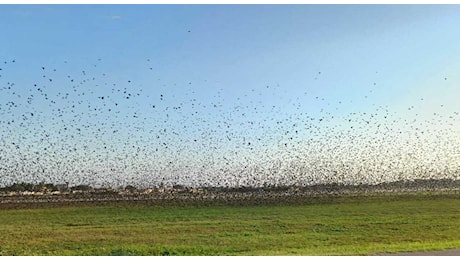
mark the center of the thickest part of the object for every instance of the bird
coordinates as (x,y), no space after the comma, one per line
(74,125)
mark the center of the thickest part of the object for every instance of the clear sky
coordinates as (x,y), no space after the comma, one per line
(196,93)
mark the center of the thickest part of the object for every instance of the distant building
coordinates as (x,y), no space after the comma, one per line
(147,191)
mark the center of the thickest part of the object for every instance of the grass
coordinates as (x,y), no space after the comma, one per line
(338,228)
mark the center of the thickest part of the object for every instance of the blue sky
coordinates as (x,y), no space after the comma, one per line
(230,65)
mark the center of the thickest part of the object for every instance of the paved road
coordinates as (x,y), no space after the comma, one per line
(450,252)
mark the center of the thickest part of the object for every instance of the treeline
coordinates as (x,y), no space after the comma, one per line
(50,187)
(406,184)
(403,184)
(23,186)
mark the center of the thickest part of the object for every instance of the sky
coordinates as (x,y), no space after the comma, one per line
(229,94)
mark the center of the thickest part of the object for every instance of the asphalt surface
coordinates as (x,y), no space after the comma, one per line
(450,252)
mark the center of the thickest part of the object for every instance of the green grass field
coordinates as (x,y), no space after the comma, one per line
(351,227)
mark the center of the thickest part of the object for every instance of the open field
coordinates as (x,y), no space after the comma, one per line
(346,226)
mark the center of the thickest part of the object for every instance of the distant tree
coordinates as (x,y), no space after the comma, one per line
(28,186)
(82,187)
(51,187)
(178,186)
(130,188)
(18,187)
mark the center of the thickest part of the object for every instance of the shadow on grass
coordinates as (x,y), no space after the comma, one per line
(161,251)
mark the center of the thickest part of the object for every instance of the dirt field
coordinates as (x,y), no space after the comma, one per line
(209,198)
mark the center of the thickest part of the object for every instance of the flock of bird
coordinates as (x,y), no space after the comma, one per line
(86,126)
